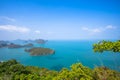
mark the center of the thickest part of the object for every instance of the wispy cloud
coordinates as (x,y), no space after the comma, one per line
(12,28)
(110,27)
(7,18)
(98,30)
(95,30)
(37,32)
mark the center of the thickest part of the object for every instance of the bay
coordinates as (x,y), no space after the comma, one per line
(67,52)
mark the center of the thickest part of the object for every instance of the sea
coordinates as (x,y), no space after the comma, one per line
(67,52)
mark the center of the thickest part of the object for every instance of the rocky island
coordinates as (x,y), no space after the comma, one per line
(5,44)
(12,45)
(28,45)
(8,44)
(40,51)
(40,41)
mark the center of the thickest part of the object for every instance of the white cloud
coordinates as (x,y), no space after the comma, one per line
(110,27)
(37,32)
(12,28)
(95,30)
(98,30)
(7,18)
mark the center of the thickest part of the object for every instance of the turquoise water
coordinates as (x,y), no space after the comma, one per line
(66,53)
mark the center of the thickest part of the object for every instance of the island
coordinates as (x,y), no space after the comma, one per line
(9,44)
(12,45)
(40,41)
(28,45)
(5,44)
(36,51)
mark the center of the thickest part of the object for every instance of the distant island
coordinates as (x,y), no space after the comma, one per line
(40,51)
(4,44)
(28,43)
(12,45)
(40,41)
(34,51)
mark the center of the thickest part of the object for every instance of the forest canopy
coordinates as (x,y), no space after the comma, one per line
(107,46)
(13,70)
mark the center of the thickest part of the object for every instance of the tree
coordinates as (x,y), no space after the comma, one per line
(12,70)
(77,72)
(107,46)
(104,73)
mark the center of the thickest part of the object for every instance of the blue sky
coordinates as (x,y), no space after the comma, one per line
(59,19)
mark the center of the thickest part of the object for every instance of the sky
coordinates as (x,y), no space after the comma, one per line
(59,19)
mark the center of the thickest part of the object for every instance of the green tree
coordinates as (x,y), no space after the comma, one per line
(77,72)
(12,70)
(104,73)
(107,46)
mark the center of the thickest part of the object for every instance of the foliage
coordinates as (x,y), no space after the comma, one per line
(107,46)
(40,51)
(12,70)
(77,72)
(103,73)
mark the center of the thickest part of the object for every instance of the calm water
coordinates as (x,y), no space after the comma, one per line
(67,53)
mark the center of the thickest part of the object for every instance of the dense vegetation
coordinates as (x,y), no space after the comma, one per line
(107,46)
(40,51)
(13,70)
